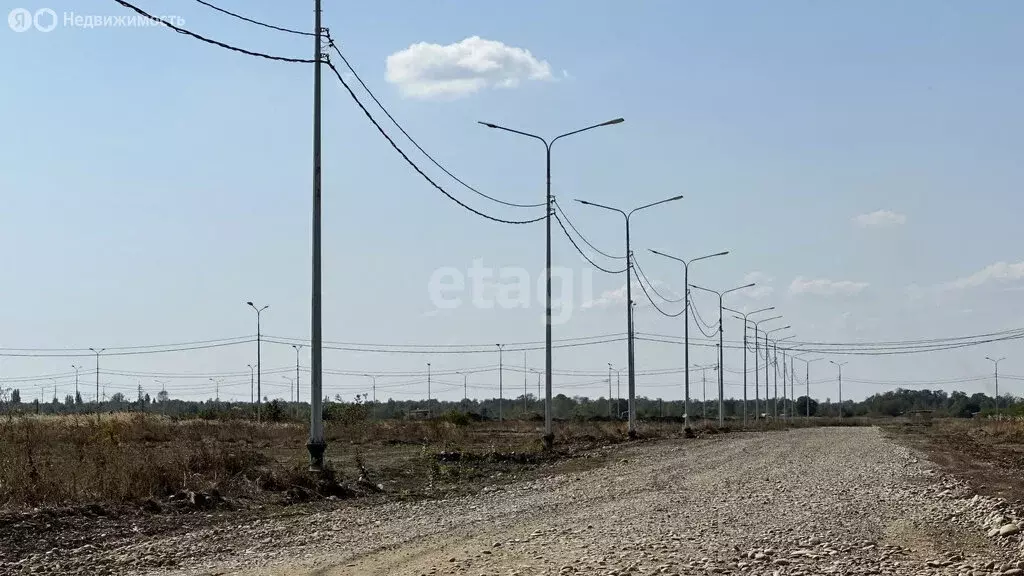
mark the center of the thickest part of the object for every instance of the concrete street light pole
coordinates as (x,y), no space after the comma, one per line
(721,346)
(743,317)
(686,326)
(549,436)
(631,426)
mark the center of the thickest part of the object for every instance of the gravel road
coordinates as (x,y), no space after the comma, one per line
(810,501)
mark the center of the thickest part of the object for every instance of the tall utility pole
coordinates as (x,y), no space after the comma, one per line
(743,317)
(549,436)
(163,396)
(216,388)
(373,378)
(618,394)
(721,347)
(428,389)
(297,348)
(996,362)
(771,359)
(757,369)
(97,353)
(686,325)
(783,383)
(500,375)
(525,384)
(609,390)
(793,386)
(316,445)
(775,364)
(631,373)
(807,377)
(259,369)
(76,379)
(840,366)
(704,378)
(252,384)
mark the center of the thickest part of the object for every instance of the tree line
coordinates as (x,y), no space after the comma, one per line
(893,403)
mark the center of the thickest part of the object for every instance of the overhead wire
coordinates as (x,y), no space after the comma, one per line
(370,93)
(580,234)
(640,280)
(256,22)
(145,14)
(577,247)
(412,164)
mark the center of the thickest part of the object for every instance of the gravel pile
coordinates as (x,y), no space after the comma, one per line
(826,501)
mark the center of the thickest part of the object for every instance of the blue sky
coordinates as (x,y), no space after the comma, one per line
(153,184)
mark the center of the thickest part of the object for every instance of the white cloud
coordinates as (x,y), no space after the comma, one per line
(826,287)
(762,290)
(617,297)
(998,272)
(607,298)
(434,71)
(880,219)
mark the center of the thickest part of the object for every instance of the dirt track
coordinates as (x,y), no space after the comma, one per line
(812,501)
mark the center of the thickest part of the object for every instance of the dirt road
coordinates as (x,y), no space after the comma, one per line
(811,501)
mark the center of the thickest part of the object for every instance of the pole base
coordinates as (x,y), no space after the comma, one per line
(549,441)
(631,434)
(316,455)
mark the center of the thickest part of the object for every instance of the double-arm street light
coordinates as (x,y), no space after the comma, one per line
(721,330)
(259,371)
(768,362)
(807,382)
(743,317)
(757,368)
(97,353)
(686,329)
(297,348)
(252,384)
(776,347)
(631,427)
(548,434)
(996,361)
(840,366)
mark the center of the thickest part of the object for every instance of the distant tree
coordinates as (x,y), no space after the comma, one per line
(163,396)
(117,398)
(78,398)
(801,406)
(69,400)
(15,396)
(146,399)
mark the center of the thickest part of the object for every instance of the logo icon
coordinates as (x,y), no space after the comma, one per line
(41,23)
(20,19)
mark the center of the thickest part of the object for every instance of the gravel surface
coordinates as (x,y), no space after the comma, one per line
(813,501)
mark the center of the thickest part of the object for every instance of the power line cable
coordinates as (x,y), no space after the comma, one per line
(413,141)
(580,234)
(651,300)
(409,161)
(214,42)
(651,284)
(256,22)
(585,257)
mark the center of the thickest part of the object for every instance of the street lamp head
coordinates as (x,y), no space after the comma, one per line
(615,121)
(488,124)
(584,202)
(250,303)
(674,198)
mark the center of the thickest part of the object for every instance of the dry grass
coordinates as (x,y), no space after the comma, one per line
(66,460)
